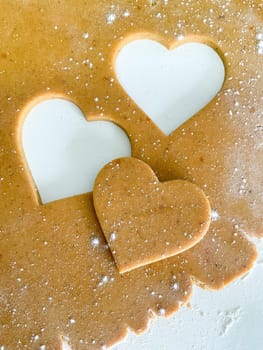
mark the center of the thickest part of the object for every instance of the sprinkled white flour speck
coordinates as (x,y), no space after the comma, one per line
(95,242)
(162,312)
(126,13)
(259,38)
(113,236)
(111,17)
(228,319)
(180,37)
(85,35)
(71,321)
(214,215)
(175,286)
(104,280)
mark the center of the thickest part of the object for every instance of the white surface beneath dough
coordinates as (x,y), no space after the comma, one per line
(230,319)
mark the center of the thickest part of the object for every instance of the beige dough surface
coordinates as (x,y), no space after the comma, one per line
(57,276)
(143,220)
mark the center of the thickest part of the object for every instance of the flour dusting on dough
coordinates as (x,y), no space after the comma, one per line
(260,43)
(229,318)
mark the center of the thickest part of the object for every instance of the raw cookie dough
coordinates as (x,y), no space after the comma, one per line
(143,220)
(57,277)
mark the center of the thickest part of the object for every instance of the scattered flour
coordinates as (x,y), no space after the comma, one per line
(229,318)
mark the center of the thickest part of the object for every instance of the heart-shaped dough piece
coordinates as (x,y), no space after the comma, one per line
(144,220)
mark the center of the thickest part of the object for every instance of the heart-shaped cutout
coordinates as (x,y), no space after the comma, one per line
(170,86)
(65,152)
(144,220)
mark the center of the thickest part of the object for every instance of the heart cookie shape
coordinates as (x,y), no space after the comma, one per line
(144,220)
(65,152)
(170,86)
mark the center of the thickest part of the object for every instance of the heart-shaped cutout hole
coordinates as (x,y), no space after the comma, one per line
(170,86)
(144,220)
(65,152)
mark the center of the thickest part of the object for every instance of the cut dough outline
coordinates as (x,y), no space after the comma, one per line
(37,99)
(125,182)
